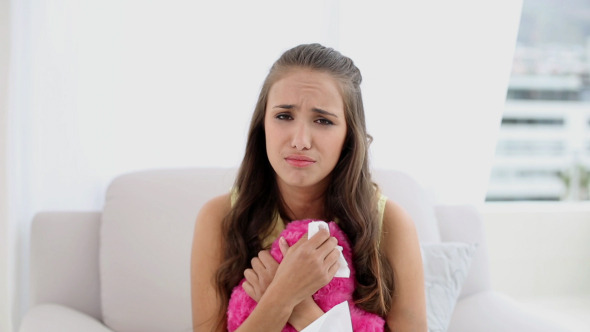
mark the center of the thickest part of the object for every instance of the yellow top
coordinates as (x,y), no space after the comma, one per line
(280,225)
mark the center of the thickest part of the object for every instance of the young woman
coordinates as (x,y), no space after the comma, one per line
(306,158)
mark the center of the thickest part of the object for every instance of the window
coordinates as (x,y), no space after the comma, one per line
(543,150)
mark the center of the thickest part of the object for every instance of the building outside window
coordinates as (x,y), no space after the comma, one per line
(543,150)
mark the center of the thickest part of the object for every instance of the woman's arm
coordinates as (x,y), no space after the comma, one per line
(307,266)
(402,248)
(259,277)
(289,287)
(205,260)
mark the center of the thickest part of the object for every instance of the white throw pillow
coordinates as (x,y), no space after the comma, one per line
(445,268)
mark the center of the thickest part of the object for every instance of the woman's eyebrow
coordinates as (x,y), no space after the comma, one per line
(324,112)
(284,106)
(315,109)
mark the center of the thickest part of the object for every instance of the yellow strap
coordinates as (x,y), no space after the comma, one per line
(381,212)
(234,196)
(280,225)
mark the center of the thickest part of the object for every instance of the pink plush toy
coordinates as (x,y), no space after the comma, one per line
(335,292)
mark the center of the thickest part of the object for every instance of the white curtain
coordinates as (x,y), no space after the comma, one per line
(7,239)
(106,87)
(436,74)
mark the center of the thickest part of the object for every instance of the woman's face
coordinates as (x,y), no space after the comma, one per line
(305,127)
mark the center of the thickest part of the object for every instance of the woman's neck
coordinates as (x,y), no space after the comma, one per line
(303,203)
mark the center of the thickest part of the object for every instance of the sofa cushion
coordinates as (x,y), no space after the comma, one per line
(463,223)
(445,267)
(145,245)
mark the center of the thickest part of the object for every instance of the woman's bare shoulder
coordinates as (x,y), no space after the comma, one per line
(397,220)
(212,213)
(208,233)
(219,205)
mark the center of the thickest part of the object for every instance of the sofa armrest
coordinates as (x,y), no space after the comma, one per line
(491,311)
(463,223)
(57,318)
(64,260)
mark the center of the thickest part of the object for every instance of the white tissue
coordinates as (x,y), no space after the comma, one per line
(336,319)
(312,228)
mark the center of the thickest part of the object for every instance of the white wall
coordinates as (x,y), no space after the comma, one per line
(106,87)
(6,240)
(174,85)
(539,250)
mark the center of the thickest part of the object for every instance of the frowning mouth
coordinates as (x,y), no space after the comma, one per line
(299,160)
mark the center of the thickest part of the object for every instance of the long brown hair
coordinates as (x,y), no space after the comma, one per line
(351,196)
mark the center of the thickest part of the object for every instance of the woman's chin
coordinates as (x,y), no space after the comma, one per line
(302,179)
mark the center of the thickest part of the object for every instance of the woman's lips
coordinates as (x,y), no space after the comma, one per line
(299,161)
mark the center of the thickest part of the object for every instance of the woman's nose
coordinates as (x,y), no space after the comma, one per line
(301,137)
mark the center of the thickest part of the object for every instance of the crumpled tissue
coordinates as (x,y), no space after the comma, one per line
(312,228)
(336,319)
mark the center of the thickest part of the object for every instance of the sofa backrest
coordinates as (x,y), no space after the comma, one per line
(418,203)
(146,236)
(145,246)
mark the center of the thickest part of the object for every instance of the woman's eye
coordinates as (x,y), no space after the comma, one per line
(325,122)
(284,117)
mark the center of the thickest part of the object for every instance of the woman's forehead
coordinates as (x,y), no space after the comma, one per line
(296,84)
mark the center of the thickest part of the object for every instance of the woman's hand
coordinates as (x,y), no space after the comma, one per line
(307,266)
(260,275)
(262,272)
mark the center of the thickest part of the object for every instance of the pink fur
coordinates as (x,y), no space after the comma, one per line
(336,291)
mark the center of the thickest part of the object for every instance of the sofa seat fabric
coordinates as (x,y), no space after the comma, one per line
(491,311)
(57,318)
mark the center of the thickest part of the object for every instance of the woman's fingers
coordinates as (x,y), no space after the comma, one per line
(333,269)
(268,261)
(259,277)
(333,261)
(283,246)
(257,264)
(318,238)
(327,247)
(318,246)
(332,256)
(249,289)
(266,267)
(317,241)
(309,264)
(250,286)
(251,276)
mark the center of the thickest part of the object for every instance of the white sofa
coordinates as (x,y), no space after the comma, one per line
(126,268)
